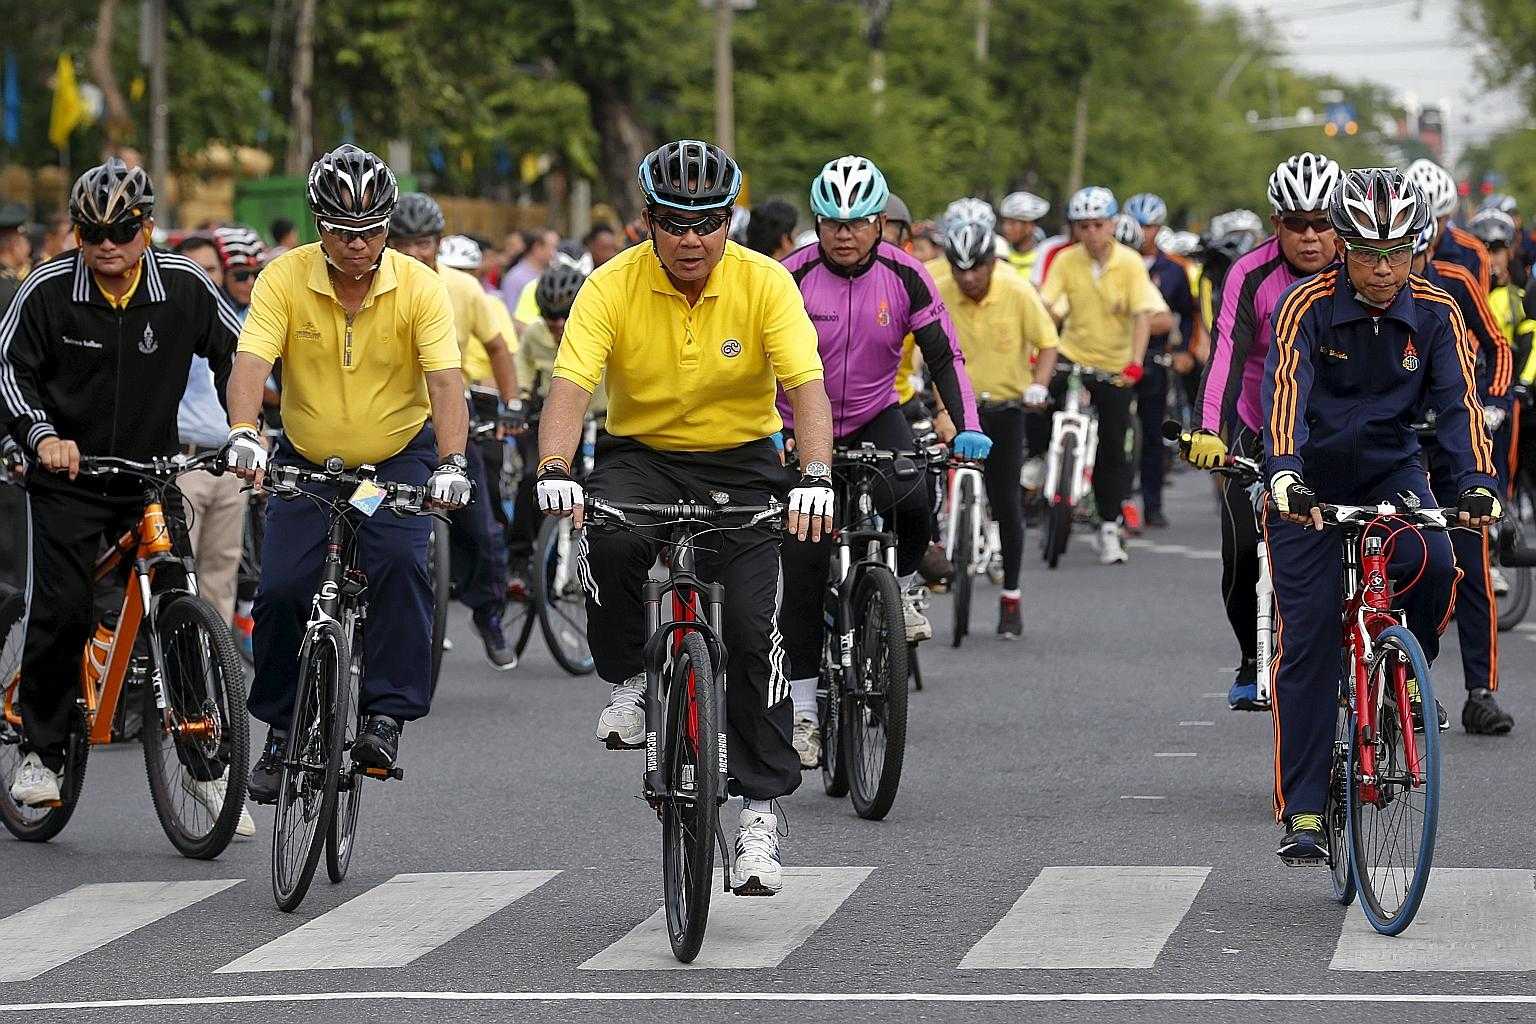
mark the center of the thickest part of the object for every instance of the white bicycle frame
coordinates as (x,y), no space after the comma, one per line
(1073,421)
(1265,591)
(983,539)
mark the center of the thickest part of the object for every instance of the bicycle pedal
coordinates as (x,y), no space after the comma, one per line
(381,774)
(614,743)
(754,888)
(47,804)
(1305,862)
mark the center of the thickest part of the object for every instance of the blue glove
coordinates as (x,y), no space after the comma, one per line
(971,444)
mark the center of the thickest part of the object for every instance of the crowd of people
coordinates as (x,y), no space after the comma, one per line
(727,354)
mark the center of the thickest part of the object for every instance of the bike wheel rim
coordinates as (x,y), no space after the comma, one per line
(686,824)
(868,706)
(188,655)
(301,792)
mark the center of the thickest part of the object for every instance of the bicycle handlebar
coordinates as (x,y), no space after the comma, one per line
(161,467)
(402,499)
(597,509)
(1358,516)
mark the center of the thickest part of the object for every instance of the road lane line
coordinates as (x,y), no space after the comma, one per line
(394,923)
(744,931)
(1071,918)
(1473,919)
(1176,753)
(56,931)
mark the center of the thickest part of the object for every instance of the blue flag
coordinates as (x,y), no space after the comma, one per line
(12,101)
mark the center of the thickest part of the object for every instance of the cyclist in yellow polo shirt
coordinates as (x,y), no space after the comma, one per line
(367,341)
(695,334)
(1100,292)
(1002,327)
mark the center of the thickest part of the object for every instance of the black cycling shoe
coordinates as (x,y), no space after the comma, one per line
(1416,706)
(377,745)
(1305,842)
(498,652)
(263,783)
(1482,716)
(1156,520)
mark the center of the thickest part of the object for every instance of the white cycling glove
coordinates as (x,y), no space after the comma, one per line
(245,452)
(1291,495)
(1493,417)
(812,496)
(558,494)
(1037,395)
(448,485)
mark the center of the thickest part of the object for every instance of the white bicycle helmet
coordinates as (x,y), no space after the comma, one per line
(847,188)
(1129,232)
(1235,221)
(1092,203)
(1377,204)
(1436,184)
(1303,183)
(969,241)
(459,252)
(1422,240)
(1181,243)
(969,210)
(1024,206)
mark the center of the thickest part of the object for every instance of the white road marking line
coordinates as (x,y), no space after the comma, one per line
(1364,998)
(1136,797)
(744,931)
(1196,723)
(1473,919)
(1526,627)
(1071,918)
(394,923)
(1176,753)
(56,931)
(1205,556)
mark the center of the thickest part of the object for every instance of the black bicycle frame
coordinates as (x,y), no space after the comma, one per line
(857,502)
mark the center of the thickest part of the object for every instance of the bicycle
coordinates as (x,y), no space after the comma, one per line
(862,690)
(318,795)
(685,779)
(1069,459)
(195,691)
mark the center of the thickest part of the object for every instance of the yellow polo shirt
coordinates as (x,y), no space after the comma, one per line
(1000,335)
(359,390)
(476,318)
(690,378)
(1099,308)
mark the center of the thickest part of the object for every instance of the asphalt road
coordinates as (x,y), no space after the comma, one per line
(1090,774)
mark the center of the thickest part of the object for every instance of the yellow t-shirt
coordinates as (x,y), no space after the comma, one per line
(477,315)
(527,310)
(1099,308)
(681,378)
(357,391)
(1000,335)
(906,370)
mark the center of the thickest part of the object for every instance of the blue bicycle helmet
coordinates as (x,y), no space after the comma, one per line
(1147,209)
(847,188)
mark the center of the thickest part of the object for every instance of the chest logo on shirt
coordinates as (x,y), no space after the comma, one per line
(883,314)
(730,348)
(308,333)
(1410,356)
(148,344)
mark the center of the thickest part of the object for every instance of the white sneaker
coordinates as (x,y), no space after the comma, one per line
(756,870)
(807,741)
(622,723)
(35,784)
(1032,475)
(1500,583)
(1111,551)
(211,796)
(918,627)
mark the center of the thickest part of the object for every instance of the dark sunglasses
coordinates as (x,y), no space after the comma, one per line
(243,275)
(120,233)
(706,224)
(1299,225)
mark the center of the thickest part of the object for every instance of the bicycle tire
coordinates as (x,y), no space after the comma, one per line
(341,833)
(1058,513)
(1513,606)
(39,824)
(309,744)
(1368,873)
(688,824)
(1336,810)
(964,579)
(204,685)
(829,708)
(438,564)
(877,702)
(562,608)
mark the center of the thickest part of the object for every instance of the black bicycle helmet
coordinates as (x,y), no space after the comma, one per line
(690,175)
(1376,204)
(415,215)
(557,289)
(111,193)
(352,188)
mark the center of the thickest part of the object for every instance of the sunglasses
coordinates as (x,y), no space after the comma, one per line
(243,275)
(1300,225)
(852,224)
(346,234)
(120,233)
(1369,256)
(706,224)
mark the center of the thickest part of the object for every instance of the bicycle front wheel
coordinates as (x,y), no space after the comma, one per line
(438,558)
(561,601)
(1513,605)
(37,824)
(875,713)
(307,781)
(830,705)
(964,579)
(341,834)
(1336,812)
(1058,512)
(689,812)
(1392,817)
(196,750)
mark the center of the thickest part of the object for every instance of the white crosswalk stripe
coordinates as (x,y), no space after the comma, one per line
(1472,919)
(744,931)
(56,931)
(1090,917)
(393,924)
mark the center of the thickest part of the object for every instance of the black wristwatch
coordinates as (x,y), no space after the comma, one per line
(457,461)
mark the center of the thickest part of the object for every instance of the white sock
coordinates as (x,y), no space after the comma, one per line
(1014,594)
(802,693)
(758,806)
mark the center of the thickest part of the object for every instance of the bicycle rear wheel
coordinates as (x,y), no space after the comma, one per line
(307,781)
(875,716)
(559,597)
(37,824)
(1392,822)
(1336,811)
(1514,605)
(830,704)
(691,764)
(438,559)
(1058,511)
(341,834)
(964,579)
(196,751)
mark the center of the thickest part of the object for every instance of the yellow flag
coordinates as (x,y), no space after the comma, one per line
(68,109)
